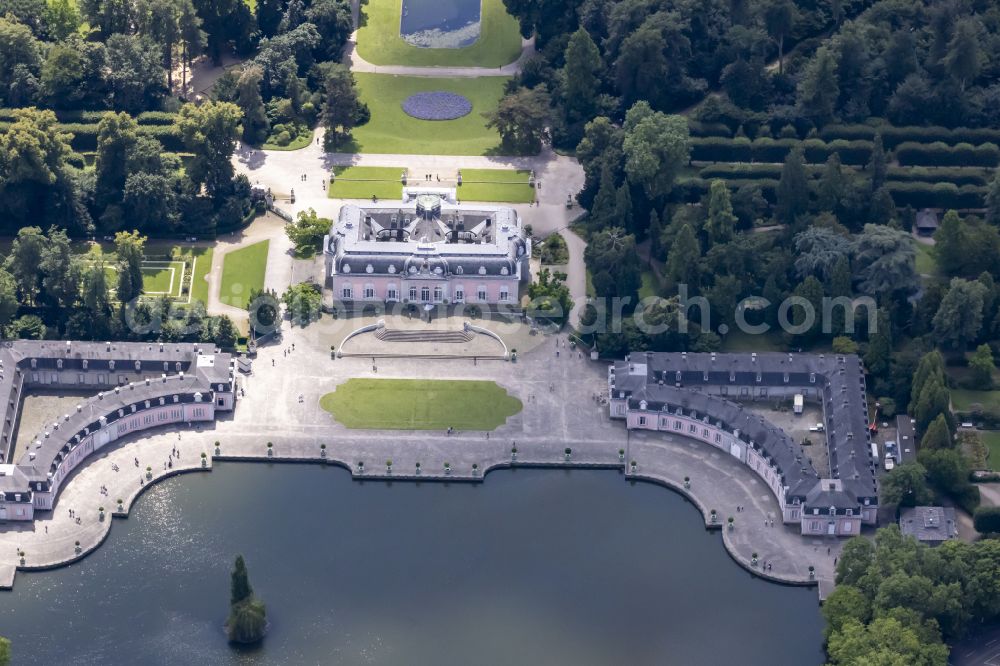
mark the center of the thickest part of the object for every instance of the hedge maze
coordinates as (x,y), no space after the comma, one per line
(934,167)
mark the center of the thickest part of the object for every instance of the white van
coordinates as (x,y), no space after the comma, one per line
(889,462)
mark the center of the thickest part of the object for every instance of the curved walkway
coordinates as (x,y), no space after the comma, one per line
(358,64)
(282,406)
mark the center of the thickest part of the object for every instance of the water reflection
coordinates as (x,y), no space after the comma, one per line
(532,567)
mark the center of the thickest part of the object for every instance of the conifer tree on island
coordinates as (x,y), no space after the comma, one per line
(247,621)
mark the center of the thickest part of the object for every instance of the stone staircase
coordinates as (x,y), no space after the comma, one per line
(398,335)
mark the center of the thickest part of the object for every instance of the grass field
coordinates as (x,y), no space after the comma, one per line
(926,261)
(650,284)
(202,267)
(390,130)
(963,399)
(420,404)
(362,182)
(991,439)
(380,43)
(496,185)
(242,272)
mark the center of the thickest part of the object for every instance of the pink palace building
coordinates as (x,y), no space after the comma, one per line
(426,250)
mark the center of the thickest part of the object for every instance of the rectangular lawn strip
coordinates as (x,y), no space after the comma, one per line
(390,130)
(420,404)
(962,400)
(243,271)
(991,439)
(380,43)
(201,266)
(499,185)
(926,262)
(362,182)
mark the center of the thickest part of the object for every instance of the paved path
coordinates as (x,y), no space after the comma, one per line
(558,179)
(277,275)
(282,406)
(358,64)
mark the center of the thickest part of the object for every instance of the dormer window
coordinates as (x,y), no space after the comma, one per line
(369,269)
(459,271)
(392,269)
(812,377)
(504,271)
(482,270)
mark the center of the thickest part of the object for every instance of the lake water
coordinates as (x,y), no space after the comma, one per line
(441,24)
(531,567)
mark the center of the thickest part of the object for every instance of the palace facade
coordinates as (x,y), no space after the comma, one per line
(136,386)
(700,396)
(425,250)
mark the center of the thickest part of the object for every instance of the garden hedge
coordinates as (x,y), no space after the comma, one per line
(936,195)
(741,149)
(939,153)
(893,136)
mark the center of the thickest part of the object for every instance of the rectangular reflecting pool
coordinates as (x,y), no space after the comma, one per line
(440,24)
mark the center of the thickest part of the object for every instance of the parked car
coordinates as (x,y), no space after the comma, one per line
(889,463)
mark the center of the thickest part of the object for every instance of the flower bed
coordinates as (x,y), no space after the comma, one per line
(437,105)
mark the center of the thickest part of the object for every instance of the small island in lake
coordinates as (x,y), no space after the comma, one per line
(247,621)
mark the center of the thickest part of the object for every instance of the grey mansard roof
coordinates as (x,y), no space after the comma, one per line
(153,371)
(675,379)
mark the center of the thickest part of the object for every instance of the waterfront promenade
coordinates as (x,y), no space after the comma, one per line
(281,406)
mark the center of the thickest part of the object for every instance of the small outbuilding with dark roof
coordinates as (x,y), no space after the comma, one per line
(929,524)
(926,223)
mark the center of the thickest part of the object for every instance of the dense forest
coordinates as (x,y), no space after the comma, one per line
(98,129)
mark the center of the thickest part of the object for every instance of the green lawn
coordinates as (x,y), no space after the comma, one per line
(963,399)
(390,130)
(650,285)
(926,261)
(420,404)
(496,185)
(380,43)
(992,441)
(362,182)
(162,278)
(202,257)
(243,271)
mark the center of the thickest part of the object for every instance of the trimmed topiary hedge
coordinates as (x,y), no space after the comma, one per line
(938,153)
(936,195)
(693,190)
(741,149)
(698,128)
(894,136)
(85,136)
(956,175)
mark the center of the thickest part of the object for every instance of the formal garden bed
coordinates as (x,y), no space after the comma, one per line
(554,251)
(288,136)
